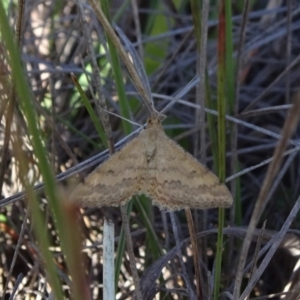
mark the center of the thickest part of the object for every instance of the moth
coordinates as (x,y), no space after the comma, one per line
(154,165)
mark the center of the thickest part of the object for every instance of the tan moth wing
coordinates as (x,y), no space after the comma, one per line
(115,181)
(181,181)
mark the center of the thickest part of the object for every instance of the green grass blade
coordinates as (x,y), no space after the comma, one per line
(91,112)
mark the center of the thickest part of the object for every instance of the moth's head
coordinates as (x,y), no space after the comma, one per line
(155,119)
(154,123)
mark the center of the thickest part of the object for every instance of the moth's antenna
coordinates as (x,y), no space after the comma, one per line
(122,118)
(145,92)
(183,92)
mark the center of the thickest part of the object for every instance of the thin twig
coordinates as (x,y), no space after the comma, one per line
(190,290)
(257,248)
(16,286)
(136,280)
(288,50)
(16,253)
(261,164)
(138,32)
(196,254)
